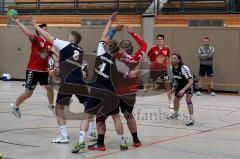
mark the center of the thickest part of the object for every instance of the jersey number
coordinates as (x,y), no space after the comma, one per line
(102,67)
(76,55)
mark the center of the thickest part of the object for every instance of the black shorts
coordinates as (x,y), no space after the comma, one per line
(154,75)
(178,89)
(108,98)
(127,103)
(91,104)
(206,69)
(103,117)
(64,99)
(33,77)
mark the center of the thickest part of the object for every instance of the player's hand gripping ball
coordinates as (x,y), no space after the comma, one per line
(12,13)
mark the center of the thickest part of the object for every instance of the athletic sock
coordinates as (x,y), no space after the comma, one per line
(81,136)
(16,106)
(191,117)
(135,137)
(100,140)
(63,130)
(91,127)
(121,139)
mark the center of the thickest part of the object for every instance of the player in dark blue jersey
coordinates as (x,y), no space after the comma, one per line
(70,60)
(183,85)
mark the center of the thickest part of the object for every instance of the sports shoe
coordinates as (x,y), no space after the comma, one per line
(137,144)
(198,93)
(1,156)
(171,106)
(78,146)
(97,147)
(190,122)
(172,116)
(15,111)
(124,145)
(92,136)
(52,108)
(212,94)
(60,139)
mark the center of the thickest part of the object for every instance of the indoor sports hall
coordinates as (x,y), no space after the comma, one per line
(187,48)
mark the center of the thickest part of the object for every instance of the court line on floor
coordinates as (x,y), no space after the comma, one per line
(16,144)
(48,116)
(218,154)
(159,126)
(165,140)
(19,129)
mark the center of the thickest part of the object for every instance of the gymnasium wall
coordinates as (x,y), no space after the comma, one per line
(227,52)
(14,62)
(185,41)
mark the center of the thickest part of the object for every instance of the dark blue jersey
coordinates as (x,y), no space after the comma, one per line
(103,65)
(70,60)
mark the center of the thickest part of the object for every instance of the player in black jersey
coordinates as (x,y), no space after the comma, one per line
(70,60)
(183,85)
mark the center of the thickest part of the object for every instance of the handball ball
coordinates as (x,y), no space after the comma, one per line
(1,156)
(12,13)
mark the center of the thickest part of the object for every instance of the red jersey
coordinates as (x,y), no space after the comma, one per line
(39,55)
(143,46)
(129,85)
(158,57)
(132,60)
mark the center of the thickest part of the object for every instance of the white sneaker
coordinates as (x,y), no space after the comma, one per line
(198,93)
(212,94)
(60,139)
(15,111)
(172,116)
(190,122)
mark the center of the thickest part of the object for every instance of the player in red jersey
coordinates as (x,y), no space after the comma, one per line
(159,56)
(37,68)
(125,86)
(128,96)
